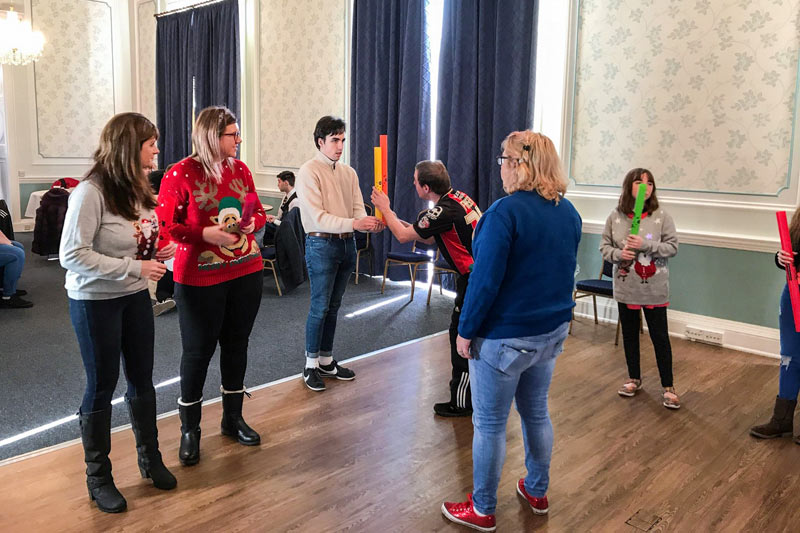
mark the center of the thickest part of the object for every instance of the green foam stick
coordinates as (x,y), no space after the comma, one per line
(637,208)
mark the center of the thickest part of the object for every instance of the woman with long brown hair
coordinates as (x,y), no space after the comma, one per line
(108,248)
(217,271)
(782,422)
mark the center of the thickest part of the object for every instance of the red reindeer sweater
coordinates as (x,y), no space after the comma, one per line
(201,202)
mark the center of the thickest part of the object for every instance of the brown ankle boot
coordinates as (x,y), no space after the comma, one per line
(781,423)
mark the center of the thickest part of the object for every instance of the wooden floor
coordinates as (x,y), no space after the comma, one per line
(369,455)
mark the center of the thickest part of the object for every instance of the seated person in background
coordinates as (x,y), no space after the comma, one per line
(286,186)
(12,258)
(161,291)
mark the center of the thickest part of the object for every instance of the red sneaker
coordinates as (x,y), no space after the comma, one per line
(464,513)
(538,505)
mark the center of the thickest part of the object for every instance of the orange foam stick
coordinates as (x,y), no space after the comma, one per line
(385,162)
(791,271)
(378,158)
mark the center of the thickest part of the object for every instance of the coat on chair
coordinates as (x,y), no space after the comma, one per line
(290,250)
(50,221)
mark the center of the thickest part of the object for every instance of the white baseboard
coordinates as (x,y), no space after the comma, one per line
(24,225)
(749,338)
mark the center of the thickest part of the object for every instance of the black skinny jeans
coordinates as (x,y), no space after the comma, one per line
(106,329)
(659,334)
(222,313)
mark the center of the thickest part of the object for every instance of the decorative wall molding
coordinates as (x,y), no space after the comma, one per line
(739,336)
(738,226)
(144,35)
(307,77)
(71,74)
(708,218)
(703,91)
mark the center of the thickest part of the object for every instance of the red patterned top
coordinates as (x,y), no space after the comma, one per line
(201,202)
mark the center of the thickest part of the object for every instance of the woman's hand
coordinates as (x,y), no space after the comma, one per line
(634,242)
(167,252)
(462,347)
(153,270)
(628,254)
(217,235)
(250,228)
(785,258)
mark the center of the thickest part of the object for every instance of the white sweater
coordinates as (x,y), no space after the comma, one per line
(329,195)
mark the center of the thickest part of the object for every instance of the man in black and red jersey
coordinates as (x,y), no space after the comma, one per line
(450,222)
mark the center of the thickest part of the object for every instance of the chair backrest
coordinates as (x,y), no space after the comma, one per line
(424,247)
(608,270)
(362,237)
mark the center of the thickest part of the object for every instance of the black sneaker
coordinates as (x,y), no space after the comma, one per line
(15,302)
(333,370)
(20,292)
(447,409)
(313,379)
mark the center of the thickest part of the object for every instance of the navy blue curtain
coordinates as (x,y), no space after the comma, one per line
(486,83)
(174,87)
(215,33)
(390,93)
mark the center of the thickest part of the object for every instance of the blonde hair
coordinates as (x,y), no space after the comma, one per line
(208,128)
(117,168)
(538,165)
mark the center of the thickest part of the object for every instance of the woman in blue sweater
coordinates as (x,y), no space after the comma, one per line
(515,319)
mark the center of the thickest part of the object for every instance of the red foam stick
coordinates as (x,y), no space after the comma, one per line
(791,271)
(165,211)
(249,208)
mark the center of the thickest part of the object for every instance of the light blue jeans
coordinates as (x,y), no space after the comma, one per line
(503,370)
(330,263)
(12,257)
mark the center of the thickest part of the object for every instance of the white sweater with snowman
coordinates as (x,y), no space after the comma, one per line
(645,280)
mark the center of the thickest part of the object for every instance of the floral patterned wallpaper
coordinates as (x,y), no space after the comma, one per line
(702,92)
(74,79)
(146,24)
(302,73)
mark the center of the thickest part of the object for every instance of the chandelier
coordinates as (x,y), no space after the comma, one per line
(19,44)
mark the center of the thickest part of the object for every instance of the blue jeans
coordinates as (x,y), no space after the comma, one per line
(330,263)
(502,370)
(106,329)
(12,257)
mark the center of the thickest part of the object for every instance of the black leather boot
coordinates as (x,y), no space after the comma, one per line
(780,425)
(189,454)
(233,424)
(96,437)
(142,410)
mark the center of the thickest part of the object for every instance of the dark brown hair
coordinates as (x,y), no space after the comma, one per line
(117,168)
(434,175)
(627,200)
(794,230)
(287,175)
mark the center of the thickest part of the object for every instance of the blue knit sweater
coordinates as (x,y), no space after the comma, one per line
(525,250)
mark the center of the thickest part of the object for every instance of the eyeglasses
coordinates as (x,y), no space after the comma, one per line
(235,135)
(501,158)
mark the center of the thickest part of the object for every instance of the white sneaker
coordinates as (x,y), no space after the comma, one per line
(159,308)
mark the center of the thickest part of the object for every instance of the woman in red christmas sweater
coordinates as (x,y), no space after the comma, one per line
(218,272)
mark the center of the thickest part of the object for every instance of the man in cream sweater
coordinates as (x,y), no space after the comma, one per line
(331,207)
